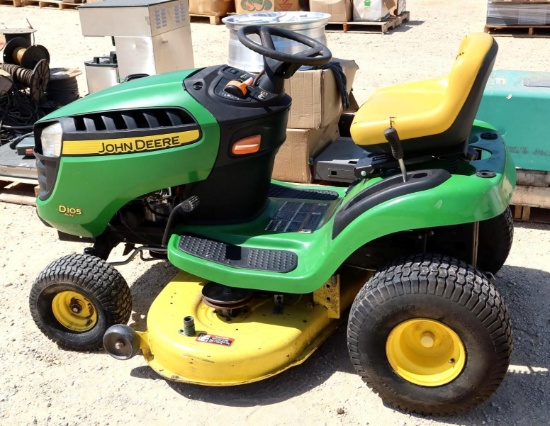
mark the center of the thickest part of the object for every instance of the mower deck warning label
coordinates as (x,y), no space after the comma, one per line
(217,340)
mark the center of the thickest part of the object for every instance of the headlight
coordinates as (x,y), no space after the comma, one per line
(51,140)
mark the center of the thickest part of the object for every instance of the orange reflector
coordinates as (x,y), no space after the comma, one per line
(248,145)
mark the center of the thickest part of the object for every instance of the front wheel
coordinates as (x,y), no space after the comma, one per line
(430,334)
(77,298)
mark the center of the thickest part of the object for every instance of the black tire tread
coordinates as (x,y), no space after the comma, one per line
(96,277)
(410,272)
(495,241)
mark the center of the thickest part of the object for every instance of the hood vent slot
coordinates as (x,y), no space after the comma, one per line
(139,119)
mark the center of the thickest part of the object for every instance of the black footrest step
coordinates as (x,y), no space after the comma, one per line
(279,191)
(238,257)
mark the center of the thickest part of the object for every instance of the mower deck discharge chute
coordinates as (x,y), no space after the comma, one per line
(180,165)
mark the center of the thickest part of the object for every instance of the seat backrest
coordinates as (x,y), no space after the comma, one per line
(467,80)
(465,85)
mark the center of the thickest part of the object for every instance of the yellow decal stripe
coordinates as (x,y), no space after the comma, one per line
(129,145)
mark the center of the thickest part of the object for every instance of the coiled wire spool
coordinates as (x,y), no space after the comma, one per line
(6,82)
(18,51)
(63,86)
(11,33)
(36,80)
(18,113)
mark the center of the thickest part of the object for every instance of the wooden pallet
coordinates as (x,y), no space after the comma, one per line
(51,3)
(368,27)
(531,214)
(531,198)
(518,30)
(15,3)
(214,20)
(18,191)
(519,1)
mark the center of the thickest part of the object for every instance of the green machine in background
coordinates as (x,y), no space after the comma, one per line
(517,103)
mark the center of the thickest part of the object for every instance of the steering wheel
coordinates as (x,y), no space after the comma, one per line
(317,54)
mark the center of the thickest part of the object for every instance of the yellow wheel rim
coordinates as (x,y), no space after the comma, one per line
(74,311)
(425,352)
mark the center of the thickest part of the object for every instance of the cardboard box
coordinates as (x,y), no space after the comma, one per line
(292,163)
(316,101)
(211,7)
(340,10)
(256,6)
(372,10)
(353,105)
(401,7)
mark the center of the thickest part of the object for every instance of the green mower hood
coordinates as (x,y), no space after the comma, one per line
(120,144)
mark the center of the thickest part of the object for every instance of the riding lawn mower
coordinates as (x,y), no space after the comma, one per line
(179,165)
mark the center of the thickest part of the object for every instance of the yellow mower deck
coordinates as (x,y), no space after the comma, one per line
(256,344)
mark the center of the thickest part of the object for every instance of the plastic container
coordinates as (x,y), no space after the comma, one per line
(101,72)
(311,24)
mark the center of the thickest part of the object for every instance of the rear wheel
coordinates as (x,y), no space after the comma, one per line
(430,334)
(76,298)
(495,241)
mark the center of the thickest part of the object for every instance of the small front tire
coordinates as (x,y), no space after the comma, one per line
(77,298)
(430,334)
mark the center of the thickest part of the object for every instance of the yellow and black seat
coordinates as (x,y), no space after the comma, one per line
(433,116)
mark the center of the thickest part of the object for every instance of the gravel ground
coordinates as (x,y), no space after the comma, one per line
(48,386)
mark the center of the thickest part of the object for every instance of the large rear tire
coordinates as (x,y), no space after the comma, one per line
(77,298)
(430,334)
(495,241)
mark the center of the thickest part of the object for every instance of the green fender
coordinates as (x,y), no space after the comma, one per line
(464,198)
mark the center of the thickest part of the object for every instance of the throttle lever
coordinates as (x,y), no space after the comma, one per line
(396,149)
(238,88)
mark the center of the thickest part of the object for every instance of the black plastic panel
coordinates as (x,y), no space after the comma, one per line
(237,189)
(47,169)
(385,190)
(296,216)
(238,257)
(278,191)
(125,123)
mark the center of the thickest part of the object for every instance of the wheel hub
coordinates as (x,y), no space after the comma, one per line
(427,339)
(425,352)
(74,311)
(75,307)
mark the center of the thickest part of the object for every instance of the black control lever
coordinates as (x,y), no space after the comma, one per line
(396,149)
(186,206)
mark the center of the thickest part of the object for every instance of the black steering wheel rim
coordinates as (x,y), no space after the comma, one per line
(317,54)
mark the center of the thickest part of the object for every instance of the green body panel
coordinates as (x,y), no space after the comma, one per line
(98,186)
(464,198)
